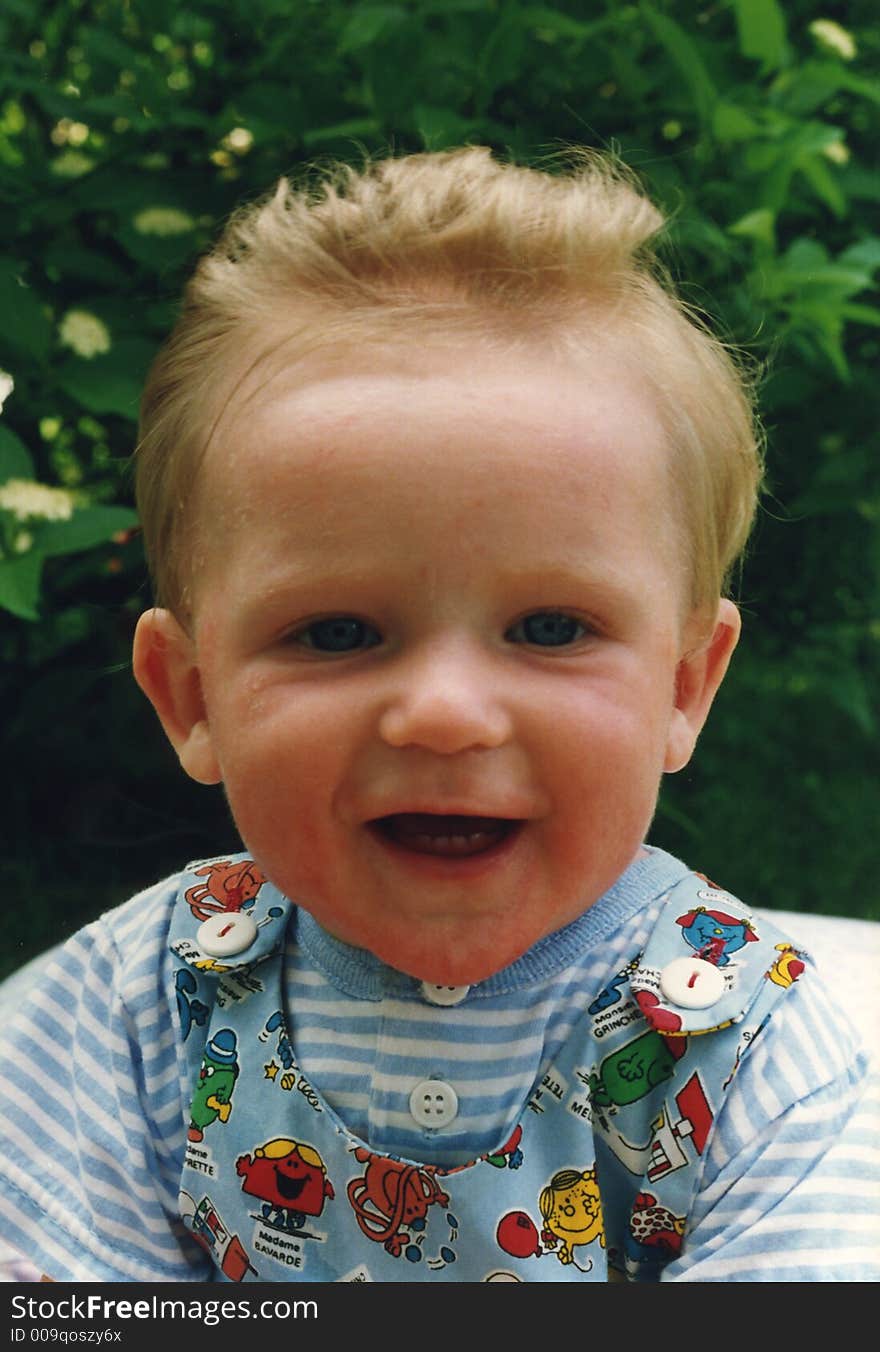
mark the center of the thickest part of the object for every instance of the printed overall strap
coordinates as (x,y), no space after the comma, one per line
(668,1034)
(227,920)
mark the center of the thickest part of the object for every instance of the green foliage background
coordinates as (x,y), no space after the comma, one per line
(752,127)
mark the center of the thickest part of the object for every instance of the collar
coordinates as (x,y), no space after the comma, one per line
(358,973)
(229,884)
(208,887)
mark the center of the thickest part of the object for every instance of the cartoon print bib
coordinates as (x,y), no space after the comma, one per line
(600,1170)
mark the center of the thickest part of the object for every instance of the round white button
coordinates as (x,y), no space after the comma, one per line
(444,995)
(691,983)
(226,933)
(433,1103)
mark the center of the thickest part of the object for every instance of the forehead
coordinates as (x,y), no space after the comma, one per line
(534,447)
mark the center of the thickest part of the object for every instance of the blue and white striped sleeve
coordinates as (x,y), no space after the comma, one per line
(791,1187)
(91,1121)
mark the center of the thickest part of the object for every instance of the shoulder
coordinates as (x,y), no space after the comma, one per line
(120,957)
(91,1055)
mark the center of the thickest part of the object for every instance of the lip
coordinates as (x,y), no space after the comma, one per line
(504,806)
(502,833)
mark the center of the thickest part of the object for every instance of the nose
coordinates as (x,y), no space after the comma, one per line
(446,700)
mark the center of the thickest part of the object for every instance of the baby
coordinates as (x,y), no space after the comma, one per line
(441,489)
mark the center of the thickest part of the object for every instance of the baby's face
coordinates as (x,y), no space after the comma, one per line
(438,622)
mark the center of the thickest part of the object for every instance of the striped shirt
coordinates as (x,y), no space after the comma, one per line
(96,1093)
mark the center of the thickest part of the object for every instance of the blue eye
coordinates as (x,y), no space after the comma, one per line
(339,634)
(546,629)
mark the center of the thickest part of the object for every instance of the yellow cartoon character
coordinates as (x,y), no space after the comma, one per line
(572,1212)
(787,967)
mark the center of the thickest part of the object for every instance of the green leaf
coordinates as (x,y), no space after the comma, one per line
(857,84)
(161,253)
(759,225)
(732,123)
(108,48)
(804,88)
(100,392)
(543,18)
(805,255)
(86,265)
(20,584)
(441,127)
(89,526)
(110,383)
(500,61)
(368,23)
(682,50)
(270,104)
(15,458)
(355,126)
(862,314)
(25,327)
(762,31)
(822,329)
(865,254)
(816,171)
(848,691)
(828,285)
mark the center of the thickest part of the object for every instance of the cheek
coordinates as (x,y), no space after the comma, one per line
(617,728)
(283,768)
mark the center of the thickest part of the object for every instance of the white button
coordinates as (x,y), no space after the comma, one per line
(226,933)
(433,1103)
(444,995)
(691,983)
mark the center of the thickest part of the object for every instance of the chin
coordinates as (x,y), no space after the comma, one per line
(458,961)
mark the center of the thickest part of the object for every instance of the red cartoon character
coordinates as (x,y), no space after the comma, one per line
(390,1198)
(290,1179)
(227,887)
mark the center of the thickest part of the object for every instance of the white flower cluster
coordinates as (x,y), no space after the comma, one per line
(85,333)
(163,221)
(833,38)
(71,164)
(27,501)
(7,385)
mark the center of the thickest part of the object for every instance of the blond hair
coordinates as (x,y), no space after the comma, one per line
(441,244)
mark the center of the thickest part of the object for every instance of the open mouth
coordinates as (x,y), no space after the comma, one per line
(448,837)
(288,1188)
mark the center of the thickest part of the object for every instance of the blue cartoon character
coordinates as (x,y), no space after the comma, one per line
(213,1092)
(613,992)
(275,1025)
(715,935)
(190,1009)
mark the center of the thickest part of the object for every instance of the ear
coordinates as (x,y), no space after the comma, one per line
(166,669)
(699,674)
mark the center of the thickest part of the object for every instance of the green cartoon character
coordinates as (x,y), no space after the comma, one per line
(217,1075)
(635,1069)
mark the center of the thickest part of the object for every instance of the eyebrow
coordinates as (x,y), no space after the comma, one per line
(553,584)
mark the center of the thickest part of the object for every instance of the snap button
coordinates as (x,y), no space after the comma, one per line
(444,995)
(691,983)
(433,1103)
(226,933)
